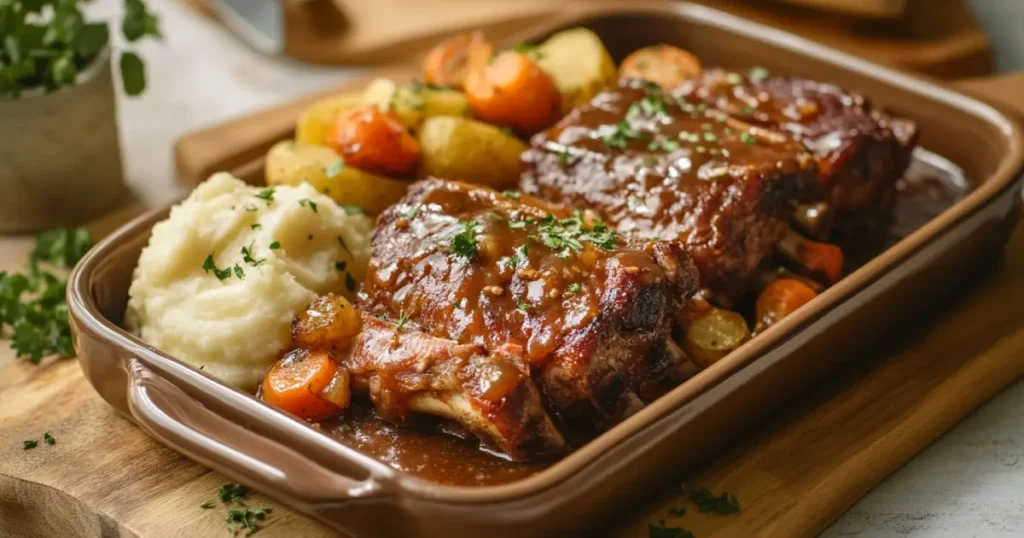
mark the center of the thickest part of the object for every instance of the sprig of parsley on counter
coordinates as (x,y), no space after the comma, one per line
(241,518)
(33,314)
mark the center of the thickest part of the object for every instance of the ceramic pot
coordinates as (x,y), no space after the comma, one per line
(60,160)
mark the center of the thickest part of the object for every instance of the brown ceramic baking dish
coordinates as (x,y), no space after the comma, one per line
(234,433)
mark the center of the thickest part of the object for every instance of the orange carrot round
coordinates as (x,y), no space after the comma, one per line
(294,384)
(448,63)
(779,299)
(374,141)
(510,90)
(664,65)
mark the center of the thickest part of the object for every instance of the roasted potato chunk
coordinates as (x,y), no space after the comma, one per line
(469,150)
(317,120)
(328,321)
(713,334)
(413,103)
(291,163)
(578,62)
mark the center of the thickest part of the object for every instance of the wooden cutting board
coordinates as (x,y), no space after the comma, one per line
(104,477)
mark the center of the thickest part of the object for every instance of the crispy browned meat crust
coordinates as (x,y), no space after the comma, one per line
(717,185)
(592,316)
(861,151)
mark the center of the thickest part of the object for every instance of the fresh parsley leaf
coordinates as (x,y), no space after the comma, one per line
(748,138)
(239,273)
(133,73)
(662,531)
(757,73)
(210,266)
(29,444)
(207,505)
(255,226)
(248,258)
(508,131)
(344,428)
(522,304)
(247,519)
(573,287)
(412,211)
(233,493)
(335,168)
(464,243)
(48,439)
(275,245)
(352,209)
(306,202)
(266,195)
(401,322)
(619,135)
(524,47)
(706,501)
(515,195)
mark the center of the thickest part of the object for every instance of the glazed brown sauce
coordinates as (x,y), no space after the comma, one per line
(427,447)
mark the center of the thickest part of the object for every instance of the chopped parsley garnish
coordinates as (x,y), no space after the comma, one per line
(522,304)
(229,493)
(335,168)
(344,428)
(255,226)
(662,144)
(247,519)
(661,531)
(350,283)
(207,505)
(521,257)
(29,444)
(568,234)
(32,303)
(340,266)
(511,194)
(401,322)
(653,103)
(573,287)
(748,110)
(619,137)
(266,195)
(247,257)
(210,266)
(48,439)
(706,501)
(748,138)
(275,245)
(410,213)
(239,273)
(524,47)
(352,209)
(464,242)
(758,73)
(563,157)
(508,131)
(306,202)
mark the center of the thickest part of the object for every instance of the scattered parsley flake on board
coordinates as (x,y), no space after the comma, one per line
(706,501)
(49,439)
(29,444)
(662,531)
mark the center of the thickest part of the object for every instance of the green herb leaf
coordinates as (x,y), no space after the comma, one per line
(207,505)
(306,202)
(29,444)
(267,195)
(255,226)
(209,266)
(340,266)
(229,493)
(748,138)
(275,245)
(350,283)
(401,322)
(706,501)
(619,136)
(239,273)
(757,73)
(91,39)
(352,209)
(335,168)
(48,439)
(522,304)
(248,258)
(138,21)
(573,288)
(512,194)
(464,243)
(133,73)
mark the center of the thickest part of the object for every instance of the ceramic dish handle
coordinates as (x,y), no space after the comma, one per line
(182,423)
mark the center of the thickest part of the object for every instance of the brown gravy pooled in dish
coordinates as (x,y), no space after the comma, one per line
(426,447)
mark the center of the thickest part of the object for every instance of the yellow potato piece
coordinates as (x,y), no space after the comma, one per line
(713,335)
(413,103)
(319,118)
(291,163)
(469,150)
(578,62)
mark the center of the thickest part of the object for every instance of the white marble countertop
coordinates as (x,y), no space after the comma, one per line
(969,483)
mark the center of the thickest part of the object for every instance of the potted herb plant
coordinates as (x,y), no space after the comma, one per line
(60,160)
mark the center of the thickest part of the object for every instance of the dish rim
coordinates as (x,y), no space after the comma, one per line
(83,307)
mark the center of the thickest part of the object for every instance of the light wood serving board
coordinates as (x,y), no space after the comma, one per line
(105,477)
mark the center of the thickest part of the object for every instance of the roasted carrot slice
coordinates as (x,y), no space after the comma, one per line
(374,141)
(664,65)
(779,299)
(447,64)
(821,260)
(294,384)
(510,90)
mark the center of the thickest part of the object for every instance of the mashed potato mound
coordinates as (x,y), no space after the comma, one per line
(273,251)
